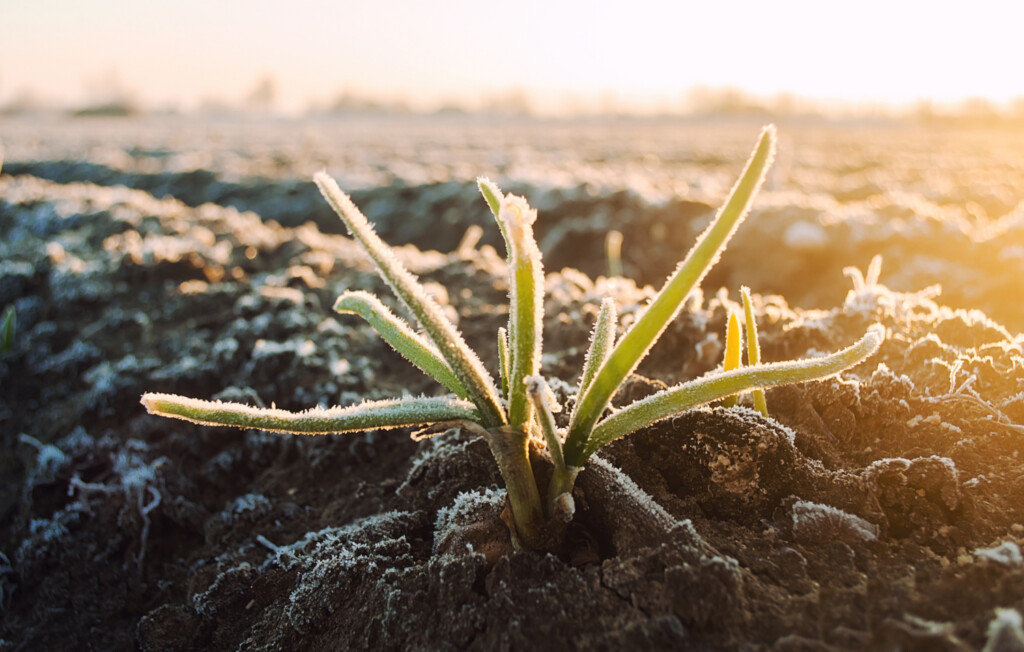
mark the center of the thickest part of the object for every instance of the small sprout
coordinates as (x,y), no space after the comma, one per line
(733,346)
(520,409)
(862,281)
(613,249)
(7,326)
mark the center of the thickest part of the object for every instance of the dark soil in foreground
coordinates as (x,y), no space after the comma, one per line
(879,510)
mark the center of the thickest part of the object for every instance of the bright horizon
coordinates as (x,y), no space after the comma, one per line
(564,55)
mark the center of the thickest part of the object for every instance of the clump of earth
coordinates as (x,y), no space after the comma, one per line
(882,509)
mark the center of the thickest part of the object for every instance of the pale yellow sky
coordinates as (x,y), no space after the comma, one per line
(184,52)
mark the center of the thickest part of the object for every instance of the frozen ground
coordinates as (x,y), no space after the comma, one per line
(942,206)
(882,510)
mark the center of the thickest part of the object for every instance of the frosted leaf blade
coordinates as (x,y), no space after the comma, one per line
(370,415)
(400,336)
(464,362)
(601,342)
(718,385)
(636,343)
(492,195)
(526,307)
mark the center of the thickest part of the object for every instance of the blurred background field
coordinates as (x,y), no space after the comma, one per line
(941,200)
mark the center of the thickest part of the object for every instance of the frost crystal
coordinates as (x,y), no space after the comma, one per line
(1006,553)
(817,523)
(469,509)
(1005,632)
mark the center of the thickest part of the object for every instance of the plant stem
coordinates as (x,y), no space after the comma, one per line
(511,450)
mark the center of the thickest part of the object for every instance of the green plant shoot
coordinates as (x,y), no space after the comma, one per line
(519,410)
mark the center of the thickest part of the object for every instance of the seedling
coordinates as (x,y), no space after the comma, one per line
(516,411)
(733,344)
(7,325)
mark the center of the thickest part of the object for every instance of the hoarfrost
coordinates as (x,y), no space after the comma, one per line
(1005,633)
(137,484)
(338,557)
(818,523)
(468,510)
(48,463)
(248,507)
(44,533)
(1006,553)
(250,503)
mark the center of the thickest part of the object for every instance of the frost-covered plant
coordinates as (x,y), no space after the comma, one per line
(517,410)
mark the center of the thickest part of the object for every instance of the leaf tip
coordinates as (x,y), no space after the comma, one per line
(151,401)
(874,337)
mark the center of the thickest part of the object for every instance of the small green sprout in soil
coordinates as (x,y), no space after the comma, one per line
(517,409)
(7,325)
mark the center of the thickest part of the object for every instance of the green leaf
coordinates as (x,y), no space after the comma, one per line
(537,391)
(492,195)
(636,343)
(463,361)
(526,309)
(369,415)
(601,341)
(715,386)
(503,356)
(401,337)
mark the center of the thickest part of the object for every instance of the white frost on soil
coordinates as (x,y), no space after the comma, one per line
(468,510)
(1005,633)
(630,493)
(1006,553)
(816,523)
(326,559)
(48,463)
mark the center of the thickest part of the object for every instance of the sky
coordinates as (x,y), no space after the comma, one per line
(643,53)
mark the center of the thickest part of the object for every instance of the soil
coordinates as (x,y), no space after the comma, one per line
(883,509)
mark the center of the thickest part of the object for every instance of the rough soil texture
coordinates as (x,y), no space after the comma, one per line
(880,510)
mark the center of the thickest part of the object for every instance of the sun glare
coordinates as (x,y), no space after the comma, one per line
(646,56)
